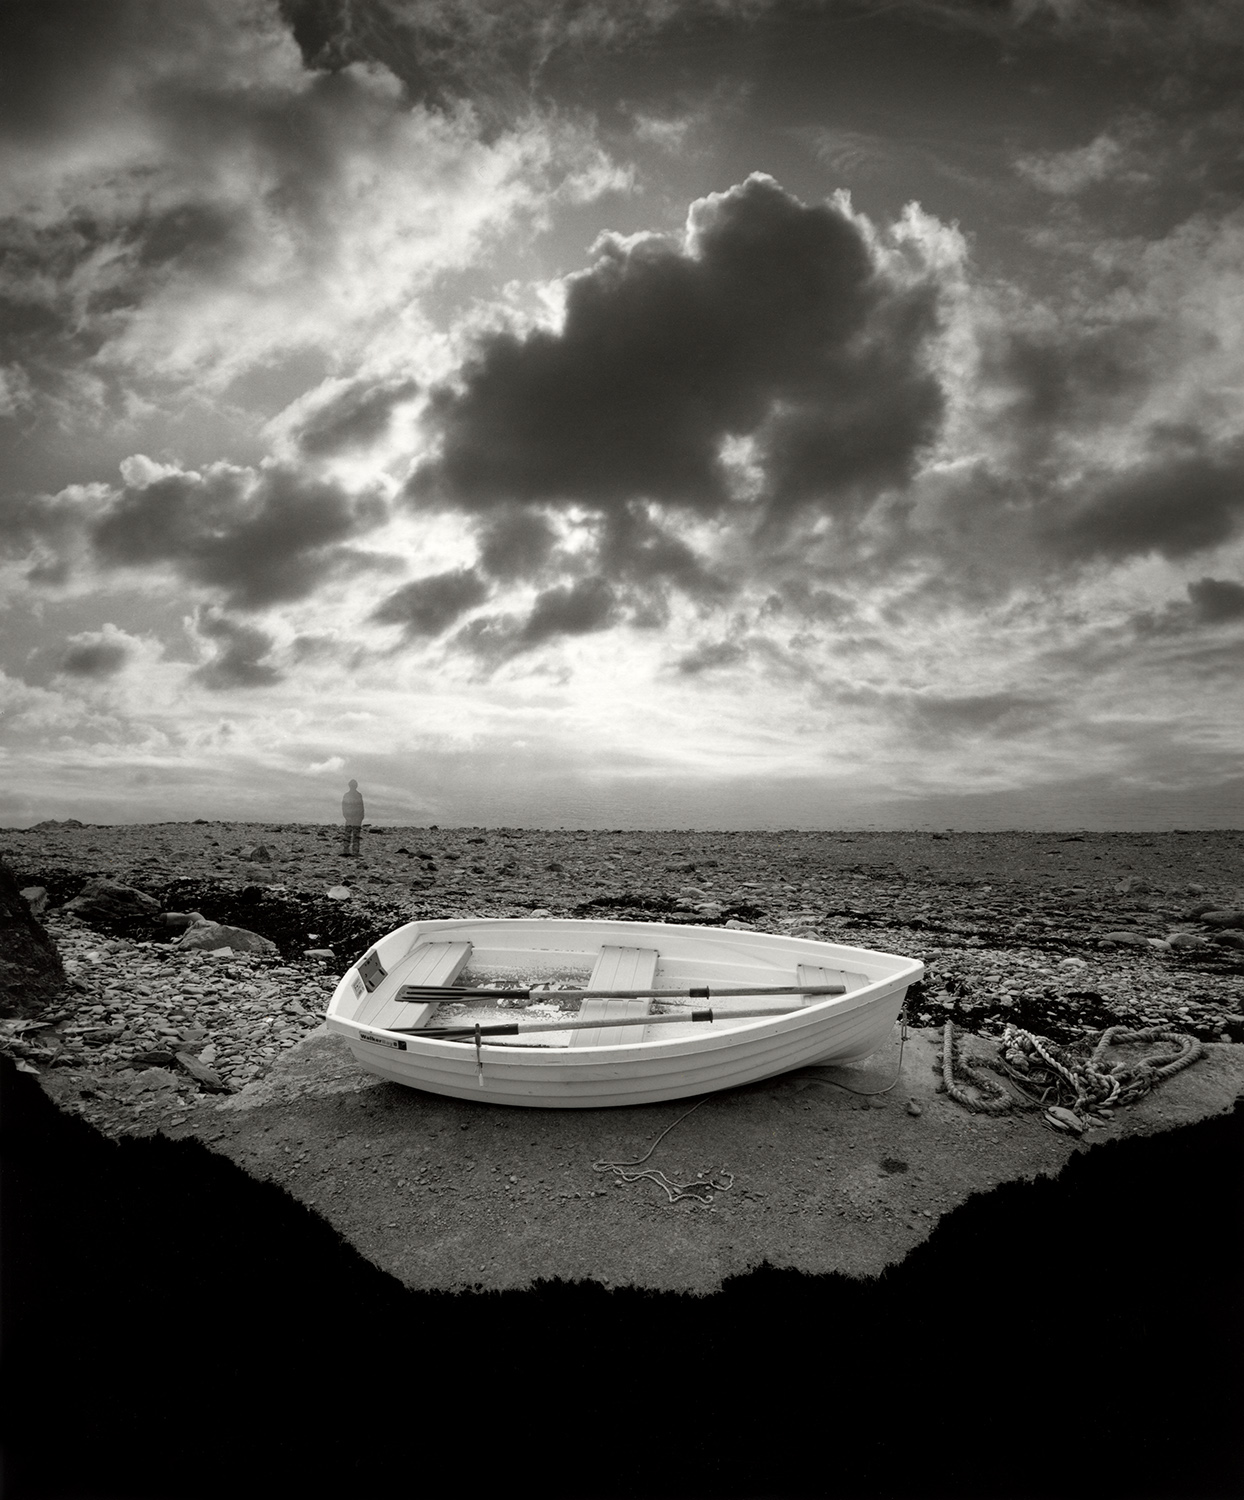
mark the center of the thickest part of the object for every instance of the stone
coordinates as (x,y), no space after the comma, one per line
(325,953)
(209,937)
(1188,940)
(339,893)
(155,1057)
(109,898)
(179,920)
(36,898)
(1194,912)
(1065,1119)
(541,911)
(31,973)
(154,1078)
(1123,935)
(259,853)
(1132,884)
(1230,937)
(207,1077)
(1223,918)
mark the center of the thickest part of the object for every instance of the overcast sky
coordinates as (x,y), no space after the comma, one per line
(623,412)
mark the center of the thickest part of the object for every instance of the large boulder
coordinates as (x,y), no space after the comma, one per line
(208,936)
(109,898)
(31,974)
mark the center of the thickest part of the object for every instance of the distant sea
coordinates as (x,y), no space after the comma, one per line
(741,805)
(786,804)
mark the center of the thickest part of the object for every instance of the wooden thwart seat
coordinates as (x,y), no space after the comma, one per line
(430,963)
(616,969)
(814,974)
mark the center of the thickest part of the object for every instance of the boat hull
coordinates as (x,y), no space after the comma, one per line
(707,1058)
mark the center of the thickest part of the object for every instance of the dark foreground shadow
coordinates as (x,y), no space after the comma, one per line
(174,1329)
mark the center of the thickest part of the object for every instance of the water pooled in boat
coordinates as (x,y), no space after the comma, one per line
(554,977)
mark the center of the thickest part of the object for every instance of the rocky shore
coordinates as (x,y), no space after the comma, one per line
(160,1006)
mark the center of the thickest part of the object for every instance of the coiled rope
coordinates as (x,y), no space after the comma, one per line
(997,1098)
(1094,1082)
(1072,1086)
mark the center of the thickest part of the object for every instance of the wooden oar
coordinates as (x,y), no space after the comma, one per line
(517,1028)
(431,994)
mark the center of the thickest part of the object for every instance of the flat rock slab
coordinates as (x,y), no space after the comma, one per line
(450,1195)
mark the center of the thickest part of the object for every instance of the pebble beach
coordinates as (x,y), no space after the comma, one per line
(1061,933)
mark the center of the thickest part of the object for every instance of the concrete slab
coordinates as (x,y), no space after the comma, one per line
(449,1195)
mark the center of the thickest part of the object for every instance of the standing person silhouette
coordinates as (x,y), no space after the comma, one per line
(352,812)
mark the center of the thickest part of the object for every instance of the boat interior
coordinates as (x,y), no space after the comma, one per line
(382,998)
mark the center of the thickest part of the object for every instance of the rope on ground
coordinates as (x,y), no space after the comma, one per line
(1070,1085)
(1089,1084)
(997,1097)
(701,1190)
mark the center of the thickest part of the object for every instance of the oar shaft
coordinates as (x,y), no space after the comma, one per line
(518,1028)
(436,994)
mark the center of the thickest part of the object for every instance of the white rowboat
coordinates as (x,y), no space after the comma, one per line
(612,1057)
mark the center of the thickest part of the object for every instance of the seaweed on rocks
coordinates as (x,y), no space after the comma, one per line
(287,918)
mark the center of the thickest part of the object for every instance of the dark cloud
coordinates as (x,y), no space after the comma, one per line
(489,50)
(352,418)
(773,323)
(97,655)
(260,539)
(634,547)
(815,603)
(1215,600)
(54,56)
(579,608)
(497,49)
(430,605)
(710,655)
(313,647)
(1187,497)
(239,660)
(1068,379)
(982,713)
(573,609)
(516,543)
(39,527)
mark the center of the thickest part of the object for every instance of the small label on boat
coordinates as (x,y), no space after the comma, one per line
(383,1041)
(371,970)
(357,985)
